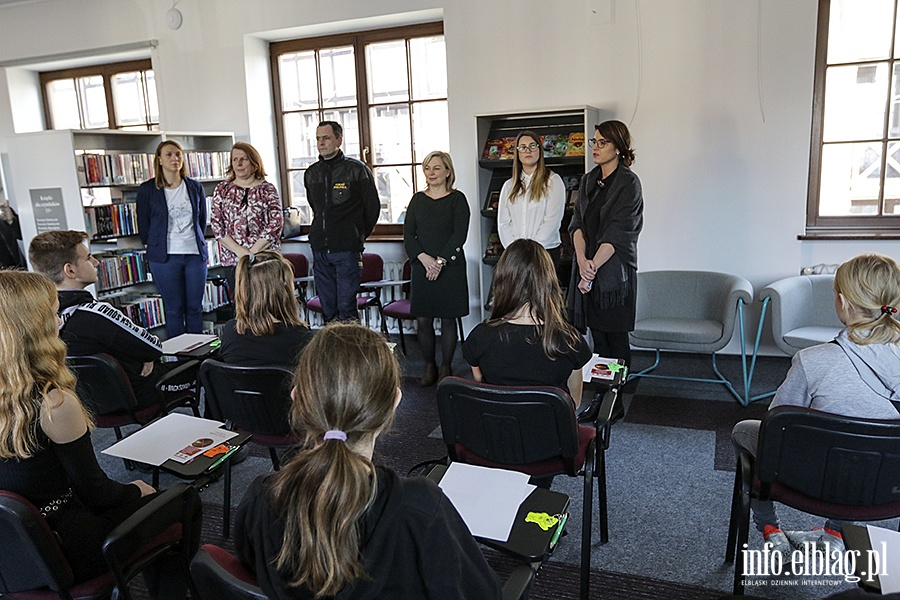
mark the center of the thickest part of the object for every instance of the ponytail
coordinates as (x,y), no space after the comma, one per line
(870,283)
(345,387)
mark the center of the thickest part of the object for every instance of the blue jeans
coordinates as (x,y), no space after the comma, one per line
(181,281)
(337,276)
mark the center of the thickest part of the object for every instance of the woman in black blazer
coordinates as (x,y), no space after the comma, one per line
(171,210)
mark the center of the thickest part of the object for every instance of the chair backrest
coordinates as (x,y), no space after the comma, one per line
(700,295)
(801,301)
(255,399)
(373,267)
(102,384)
(407,274)
(219,575)
(168,523)
(828,457)
(299,264)
(30,557)
(507,425)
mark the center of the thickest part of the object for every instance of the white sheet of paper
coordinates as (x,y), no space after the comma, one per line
(186,342)
(887,544)
(586,374)
(157,442)
(487,499)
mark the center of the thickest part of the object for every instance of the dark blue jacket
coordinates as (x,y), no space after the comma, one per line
(153,218)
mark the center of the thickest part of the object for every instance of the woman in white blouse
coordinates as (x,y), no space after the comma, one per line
(532,202)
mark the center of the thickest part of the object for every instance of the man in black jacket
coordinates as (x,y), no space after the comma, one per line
(91,326)
(345,205)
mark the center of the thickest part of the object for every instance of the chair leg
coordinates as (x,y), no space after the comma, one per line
(587,511)
(276,463)
(226,503)
(402,337)
(462,337)
(735,515)
(601,495)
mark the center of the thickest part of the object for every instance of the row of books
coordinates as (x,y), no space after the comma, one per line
(554,145)
(146,311)
(124,269)
(111,220)
(135,168)
(214,296)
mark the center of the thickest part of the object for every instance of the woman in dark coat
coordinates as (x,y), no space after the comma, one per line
(605,226)
(435,229)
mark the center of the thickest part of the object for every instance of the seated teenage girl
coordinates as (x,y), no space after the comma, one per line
(267,329)
(856,375)
(527,341)
(332,524)
(46,454)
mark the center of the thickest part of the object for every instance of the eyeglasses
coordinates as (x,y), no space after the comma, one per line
(598,143)
(529,148)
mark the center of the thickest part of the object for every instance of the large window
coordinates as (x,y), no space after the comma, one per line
(111,96)
(387,88)
(854,182)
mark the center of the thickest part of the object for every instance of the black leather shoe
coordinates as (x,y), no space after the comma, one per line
(430,377)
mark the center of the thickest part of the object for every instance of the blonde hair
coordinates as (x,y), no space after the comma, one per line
(347,379)
(540,181)
(33,359)
(265,293)
(869,282)
(160,177)
(448,164)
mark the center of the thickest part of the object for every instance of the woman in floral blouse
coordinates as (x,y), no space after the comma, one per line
(246,210)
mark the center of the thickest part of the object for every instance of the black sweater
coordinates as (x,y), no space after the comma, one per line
(415,546)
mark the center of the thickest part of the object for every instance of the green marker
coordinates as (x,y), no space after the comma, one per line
(559,530)
(224,458)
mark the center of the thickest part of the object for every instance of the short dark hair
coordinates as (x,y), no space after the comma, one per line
(50,251)
(336,128)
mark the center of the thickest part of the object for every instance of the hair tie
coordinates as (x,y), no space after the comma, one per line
(888,310)
(335,434)
(251,257)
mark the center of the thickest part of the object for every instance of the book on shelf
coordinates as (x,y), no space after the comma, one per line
(214,253)
(548,142)
(207,165)
(96,168)
(493,248)
(492,149)
(560,146)
(146,311)
(492,202)
(214,296)
(111,220)
(576,144)
(122,269)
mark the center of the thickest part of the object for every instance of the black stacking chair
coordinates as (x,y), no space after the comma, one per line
(255,400)
(819,463)
(219,575)
(32,562)
(530,430)
(104,388)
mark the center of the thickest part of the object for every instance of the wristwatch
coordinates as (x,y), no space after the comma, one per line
(441,261)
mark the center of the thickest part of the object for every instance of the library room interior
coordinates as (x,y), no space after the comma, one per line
(766,141)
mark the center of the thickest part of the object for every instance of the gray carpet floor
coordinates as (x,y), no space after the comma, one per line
(669,472)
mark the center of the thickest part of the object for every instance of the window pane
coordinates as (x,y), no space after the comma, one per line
(338,76)
(349,120)
(855,102)
(431,129)
(859,31)
(298,196)
(892,180)
(63,104)
(390,134)
(300,139)
(428,59)
(386,70)
(297,72)
(395,188)
(93,102)
(849,179)
(128,99)
(152,98)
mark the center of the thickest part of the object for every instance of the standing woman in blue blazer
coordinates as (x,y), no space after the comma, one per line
(171,210)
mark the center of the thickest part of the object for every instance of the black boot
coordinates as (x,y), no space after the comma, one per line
(429,378)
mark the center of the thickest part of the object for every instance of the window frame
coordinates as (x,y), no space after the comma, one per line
(358,40)
(845,227)
(106,71)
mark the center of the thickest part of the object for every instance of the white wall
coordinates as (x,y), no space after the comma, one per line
(717,93)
